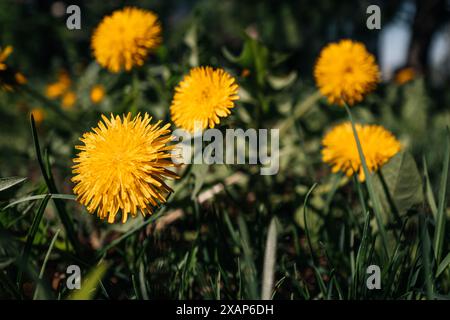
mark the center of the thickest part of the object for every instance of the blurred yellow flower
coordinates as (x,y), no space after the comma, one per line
(20,78)
(4,54)
(9,78)
(346,71)
(340,150)
(125,38)
(38,115)
(69,99)
(122,165)
(404,75)
(97,93)
(58,88)
(202,97)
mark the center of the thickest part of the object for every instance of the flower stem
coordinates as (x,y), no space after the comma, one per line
(375,201)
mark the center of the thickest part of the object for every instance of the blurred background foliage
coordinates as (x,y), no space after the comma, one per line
(212,244)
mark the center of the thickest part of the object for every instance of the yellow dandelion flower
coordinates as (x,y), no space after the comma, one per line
(38,115)
(340,150)
(97,93)
(125,38)
(404,75)
(4,54)
(68,100)
(58,88)
(202,97)
(122,165)
(346,71)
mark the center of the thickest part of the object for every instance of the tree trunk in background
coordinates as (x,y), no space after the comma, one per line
(430,14)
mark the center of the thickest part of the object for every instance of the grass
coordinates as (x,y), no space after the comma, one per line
(226,232)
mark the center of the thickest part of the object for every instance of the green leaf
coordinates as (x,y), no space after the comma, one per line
(41,196)
(281,82)
(30,238)
(269,261)
(376,204)
(254,56)
(429,191)
(402,181)
(443,265)
(439,232)
(91,283)
(60,206)
(7,183)
(44,264)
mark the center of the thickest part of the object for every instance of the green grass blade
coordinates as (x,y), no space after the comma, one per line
(361,256)
(428,190)
(44,264)
(425,252)
(60,207)
(443,265)
(370,188)
(440,219)
(40,196)
(305,216)
(248,265)
(30,238)
(126,235)
(269,261)
(9,182)
(90,285)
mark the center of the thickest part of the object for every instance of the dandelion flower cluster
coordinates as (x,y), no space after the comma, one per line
(202,97)
(346,71)
(125,38)
(122,165)
(340,150)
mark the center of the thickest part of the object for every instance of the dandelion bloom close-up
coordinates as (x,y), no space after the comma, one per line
(124,39)
(346,71)
(122,166)
(203,96)
(341,152)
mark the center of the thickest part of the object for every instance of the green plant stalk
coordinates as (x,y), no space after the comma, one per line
(308,237)
(44,264)
(440,219)
(425,251)
(59,204)
(375,202)
(134,93)
(30,238)
(269,261)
